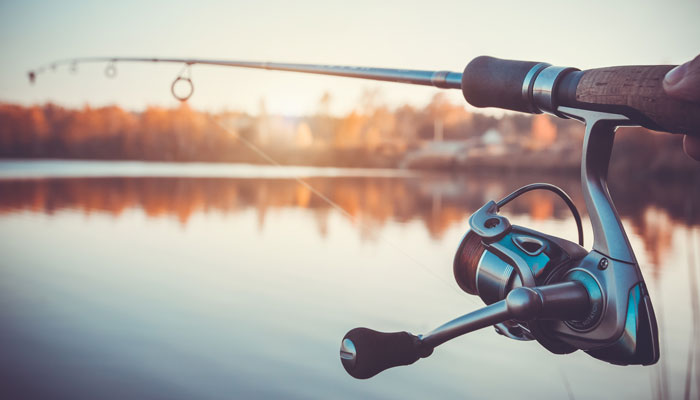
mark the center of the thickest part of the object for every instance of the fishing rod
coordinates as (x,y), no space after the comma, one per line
(634,91)
(439,79)
(535,286)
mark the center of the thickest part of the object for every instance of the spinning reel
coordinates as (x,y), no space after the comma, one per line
(537,286)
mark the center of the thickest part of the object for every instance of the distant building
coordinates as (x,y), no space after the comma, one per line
(492,137)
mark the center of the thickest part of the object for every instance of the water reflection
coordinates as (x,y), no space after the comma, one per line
(438,201)
(232,287)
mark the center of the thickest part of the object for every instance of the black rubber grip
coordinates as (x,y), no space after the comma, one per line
(493,82)
(377,351)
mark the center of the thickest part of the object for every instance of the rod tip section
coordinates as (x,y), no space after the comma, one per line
(365,352)
(493,82)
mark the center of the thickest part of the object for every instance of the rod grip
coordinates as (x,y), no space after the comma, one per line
(493,82)
(640,89)
(369,352)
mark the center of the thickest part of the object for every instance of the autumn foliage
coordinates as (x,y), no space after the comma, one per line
(373,135)
(110,133)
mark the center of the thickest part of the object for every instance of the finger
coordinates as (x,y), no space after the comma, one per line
(683,82)
(691,145)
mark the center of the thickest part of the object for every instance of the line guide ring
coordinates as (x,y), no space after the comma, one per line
(185,80)
(185,77)
(111,70)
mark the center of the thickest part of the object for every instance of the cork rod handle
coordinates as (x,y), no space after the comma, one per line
(639,88)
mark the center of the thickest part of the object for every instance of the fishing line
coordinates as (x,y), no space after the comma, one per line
(567,385)
(337,207)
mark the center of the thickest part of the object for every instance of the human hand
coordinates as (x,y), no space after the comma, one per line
(683,82)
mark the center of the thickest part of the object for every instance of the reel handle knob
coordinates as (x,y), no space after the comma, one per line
(365,352)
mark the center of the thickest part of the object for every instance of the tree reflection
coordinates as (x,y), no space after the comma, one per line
(439,201)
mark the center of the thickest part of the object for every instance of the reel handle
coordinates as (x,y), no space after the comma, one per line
(634,91)
(365,352)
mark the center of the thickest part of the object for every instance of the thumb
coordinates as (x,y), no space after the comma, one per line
(691,145)
(683,82)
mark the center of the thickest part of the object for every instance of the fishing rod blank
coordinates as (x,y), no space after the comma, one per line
(439,79)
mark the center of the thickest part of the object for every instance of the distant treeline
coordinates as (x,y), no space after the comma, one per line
(111,133)
(372,136)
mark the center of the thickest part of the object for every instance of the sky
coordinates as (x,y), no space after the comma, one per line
(436,35)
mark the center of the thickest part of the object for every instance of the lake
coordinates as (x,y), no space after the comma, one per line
(154,280)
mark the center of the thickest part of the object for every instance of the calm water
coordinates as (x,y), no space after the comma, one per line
(132,280)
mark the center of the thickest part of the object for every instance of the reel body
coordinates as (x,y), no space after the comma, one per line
(496,257)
